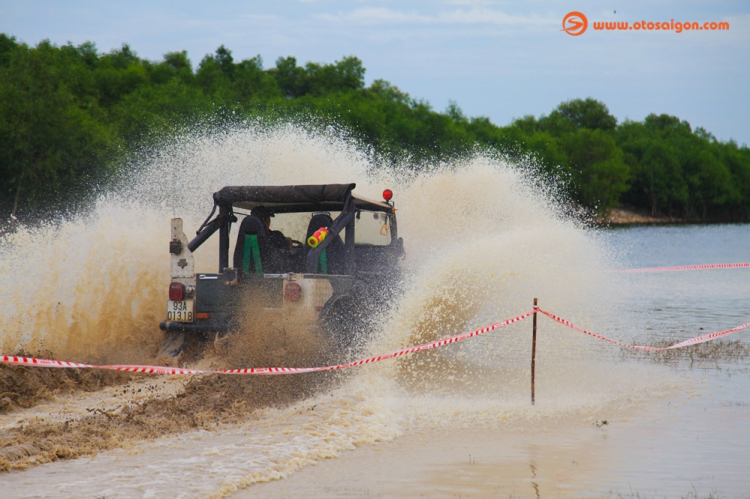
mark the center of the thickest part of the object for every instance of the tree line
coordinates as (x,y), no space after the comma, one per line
(69,114)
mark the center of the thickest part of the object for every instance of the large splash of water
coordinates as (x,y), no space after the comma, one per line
(483,237)
(92,287)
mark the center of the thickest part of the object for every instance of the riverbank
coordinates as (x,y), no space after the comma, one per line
(622,216)
(626,216)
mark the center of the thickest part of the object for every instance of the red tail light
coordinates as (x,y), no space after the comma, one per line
(176,291)
(387,194)
(292,292)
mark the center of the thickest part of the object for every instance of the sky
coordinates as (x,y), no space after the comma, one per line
(499,59)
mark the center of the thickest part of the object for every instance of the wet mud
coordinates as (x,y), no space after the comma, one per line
(138,412)
(23,387)
(135,409)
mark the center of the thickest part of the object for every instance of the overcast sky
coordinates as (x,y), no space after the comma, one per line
(500,59)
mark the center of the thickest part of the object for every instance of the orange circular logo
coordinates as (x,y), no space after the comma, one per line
(574,23)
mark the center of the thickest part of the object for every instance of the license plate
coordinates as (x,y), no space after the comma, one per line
(180,311)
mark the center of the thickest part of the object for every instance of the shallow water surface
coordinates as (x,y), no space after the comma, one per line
(670,446)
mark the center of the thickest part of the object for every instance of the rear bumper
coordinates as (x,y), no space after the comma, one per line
(194,327)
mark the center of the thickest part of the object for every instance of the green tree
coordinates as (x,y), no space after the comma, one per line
(658,182)
(289,77)
(251,82)
(49,143)
(662,178)
(577,113)
(548,151)
(737,160)
(66,111)
(710,183)
(212,78)
(154,110)
(119,73)
(176,65)
(598,168)
(325,79)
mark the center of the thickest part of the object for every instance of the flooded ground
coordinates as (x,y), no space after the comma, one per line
(667,447)
(457,422)
(685,433)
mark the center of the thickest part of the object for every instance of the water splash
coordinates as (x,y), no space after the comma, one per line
(483,237)
(92,287)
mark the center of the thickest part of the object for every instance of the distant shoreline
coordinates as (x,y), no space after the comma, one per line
(623,216)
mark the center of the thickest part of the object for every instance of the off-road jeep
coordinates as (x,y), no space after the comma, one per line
(328,288)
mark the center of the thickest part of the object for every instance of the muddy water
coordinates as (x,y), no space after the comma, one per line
(482,239)
(662,448)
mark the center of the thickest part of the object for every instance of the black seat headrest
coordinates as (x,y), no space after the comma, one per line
(318,221)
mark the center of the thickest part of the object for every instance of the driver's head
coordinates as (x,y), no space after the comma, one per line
(264,214)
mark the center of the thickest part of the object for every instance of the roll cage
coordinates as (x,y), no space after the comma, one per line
(291,199)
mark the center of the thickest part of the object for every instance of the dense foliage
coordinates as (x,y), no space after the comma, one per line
(68,114)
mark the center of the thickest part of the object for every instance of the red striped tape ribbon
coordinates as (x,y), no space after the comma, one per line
(692,341)
(30,361)
(688,267)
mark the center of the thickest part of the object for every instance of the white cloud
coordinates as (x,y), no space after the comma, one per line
(373,16)
(471,3)
(488,16)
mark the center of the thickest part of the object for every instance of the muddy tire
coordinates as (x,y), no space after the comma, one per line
(193,350)
(344,324)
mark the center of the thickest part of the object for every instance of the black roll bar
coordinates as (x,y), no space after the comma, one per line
(344,220)
(222,221)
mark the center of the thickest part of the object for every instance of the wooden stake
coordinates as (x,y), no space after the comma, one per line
(533,350)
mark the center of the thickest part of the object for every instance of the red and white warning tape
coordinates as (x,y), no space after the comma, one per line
(688,267)
(29,361)
(378,358)
(33,362)
(692,341)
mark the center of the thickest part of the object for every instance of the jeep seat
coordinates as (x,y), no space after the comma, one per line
(254,252)
(332,258)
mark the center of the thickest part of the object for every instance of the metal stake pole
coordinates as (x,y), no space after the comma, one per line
(533,351)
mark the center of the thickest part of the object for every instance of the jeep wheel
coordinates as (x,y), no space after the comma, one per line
(344,323)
